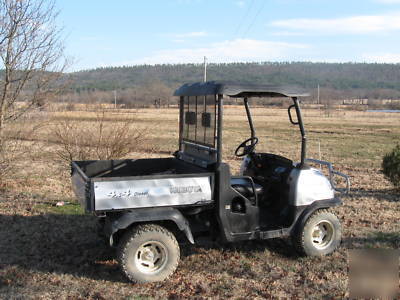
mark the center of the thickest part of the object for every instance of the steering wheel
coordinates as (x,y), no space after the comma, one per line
(247,149)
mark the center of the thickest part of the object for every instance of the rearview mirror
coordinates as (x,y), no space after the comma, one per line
(290,115)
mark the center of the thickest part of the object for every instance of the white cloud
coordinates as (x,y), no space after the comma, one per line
(390,58)
(240,3)
(349,25)
(240,50)
(182,37)
(287,33)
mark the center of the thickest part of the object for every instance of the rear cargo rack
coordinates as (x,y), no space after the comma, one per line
(333,172)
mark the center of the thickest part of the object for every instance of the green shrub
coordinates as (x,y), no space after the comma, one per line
(391,166)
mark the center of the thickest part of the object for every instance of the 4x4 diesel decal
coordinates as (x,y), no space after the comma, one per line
(173,190)
(185,189)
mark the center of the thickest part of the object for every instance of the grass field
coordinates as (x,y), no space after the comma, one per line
(53,252)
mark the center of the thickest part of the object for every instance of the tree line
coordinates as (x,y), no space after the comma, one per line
(144,84)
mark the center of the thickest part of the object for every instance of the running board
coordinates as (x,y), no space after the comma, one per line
(270,234)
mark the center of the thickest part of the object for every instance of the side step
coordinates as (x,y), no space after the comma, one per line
(276,233)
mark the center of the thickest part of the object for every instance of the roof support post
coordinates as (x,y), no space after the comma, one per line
(220,101)
(249,118)
(302,131)
(181,119)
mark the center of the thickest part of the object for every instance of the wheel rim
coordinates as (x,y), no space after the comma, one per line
(322,234)
(151,257)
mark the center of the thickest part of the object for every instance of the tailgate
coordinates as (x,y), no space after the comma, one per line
(81,186)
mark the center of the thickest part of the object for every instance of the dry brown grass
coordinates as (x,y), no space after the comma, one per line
(13,147)
(99,138)
(49,252)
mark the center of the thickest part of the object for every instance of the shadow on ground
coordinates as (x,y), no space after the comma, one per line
(68,244)
(375,239)
(390,195)
(280,246)
(57,243)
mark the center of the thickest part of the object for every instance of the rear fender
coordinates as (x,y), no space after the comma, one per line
(123,221)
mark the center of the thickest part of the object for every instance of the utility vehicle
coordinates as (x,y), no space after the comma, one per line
(144,204)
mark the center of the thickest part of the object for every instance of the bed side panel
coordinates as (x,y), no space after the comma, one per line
(155,192)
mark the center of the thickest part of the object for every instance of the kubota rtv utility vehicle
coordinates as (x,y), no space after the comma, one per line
(144,203)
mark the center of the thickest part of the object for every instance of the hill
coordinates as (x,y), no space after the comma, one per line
(338,79)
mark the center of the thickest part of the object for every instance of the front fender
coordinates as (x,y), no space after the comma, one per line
(306,213)
(124,220)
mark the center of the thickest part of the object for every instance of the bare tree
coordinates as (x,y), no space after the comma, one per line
(31,56)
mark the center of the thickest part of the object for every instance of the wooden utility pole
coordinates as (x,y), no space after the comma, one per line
(205,69)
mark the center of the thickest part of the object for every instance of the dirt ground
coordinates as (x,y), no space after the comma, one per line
(49,252)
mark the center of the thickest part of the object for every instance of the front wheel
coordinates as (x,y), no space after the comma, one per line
(148,253)
(320,235)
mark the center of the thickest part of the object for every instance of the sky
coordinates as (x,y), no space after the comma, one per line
(101,33)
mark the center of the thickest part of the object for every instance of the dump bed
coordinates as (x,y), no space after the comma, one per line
(107,185)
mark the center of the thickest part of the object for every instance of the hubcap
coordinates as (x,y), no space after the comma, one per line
(322,234)
(151,257)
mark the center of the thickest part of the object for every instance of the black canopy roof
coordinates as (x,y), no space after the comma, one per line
(237,90)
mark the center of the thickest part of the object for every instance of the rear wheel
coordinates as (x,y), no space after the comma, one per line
(320,235)
(148,253)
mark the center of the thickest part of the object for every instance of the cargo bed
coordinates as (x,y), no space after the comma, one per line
(108,185)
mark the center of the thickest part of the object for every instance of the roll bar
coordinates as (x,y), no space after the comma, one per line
(296,106)
(219,112)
